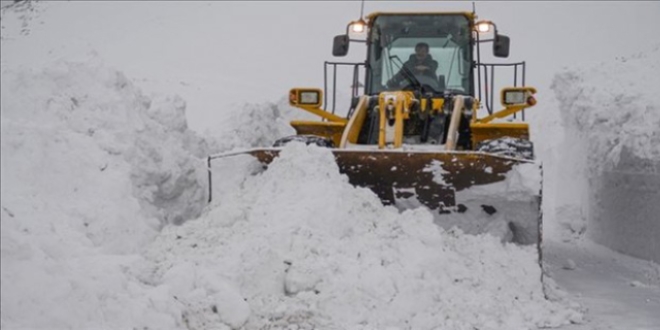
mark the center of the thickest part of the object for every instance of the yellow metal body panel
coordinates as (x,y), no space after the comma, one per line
(332,130)
(352,131)
(508,111)
(393,106)
(436,104)
(323,114)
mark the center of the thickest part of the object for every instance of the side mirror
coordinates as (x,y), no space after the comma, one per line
(501,46)
(340,45)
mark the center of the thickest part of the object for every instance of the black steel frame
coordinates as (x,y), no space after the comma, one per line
(489,86)
(334,65)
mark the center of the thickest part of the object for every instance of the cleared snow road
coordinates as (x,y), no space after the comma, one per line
(620,292)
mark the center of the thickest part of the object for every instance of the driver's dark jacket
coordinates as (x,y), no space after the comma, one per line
(413,62)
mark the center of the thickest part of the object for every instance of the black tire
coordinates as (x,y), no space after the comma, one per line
(508,146)
(307,139)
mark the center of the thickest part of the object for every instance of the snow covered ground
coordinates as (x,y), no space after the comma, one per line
(97,175)
(617,291)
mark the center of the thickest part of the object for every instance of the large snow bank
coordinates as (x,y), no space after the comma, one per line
(298,245)
(91,169)
(611,152)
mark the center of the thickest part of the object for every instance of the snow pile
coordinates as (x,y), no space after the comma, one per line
(611,152)
(257,125)
(91,169)
(297,245)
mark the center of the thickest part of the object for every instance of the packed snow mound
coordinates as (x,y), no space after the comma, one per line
(297,246)
(91,169)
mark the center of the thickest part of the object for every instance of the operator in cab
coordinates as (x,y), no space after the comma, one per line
(421,64)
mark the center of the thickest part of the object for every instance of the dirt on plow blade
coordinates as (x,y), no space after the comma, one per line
(476,192)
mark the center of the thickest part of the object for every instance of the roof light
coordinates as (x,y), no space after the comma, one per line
(358,26)
(484,26)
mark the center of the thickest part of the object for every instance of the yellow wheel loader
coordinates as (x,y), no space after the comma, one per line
(420,133)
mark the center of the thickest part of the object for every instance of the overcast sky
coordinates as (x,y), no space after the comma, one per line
(219,54)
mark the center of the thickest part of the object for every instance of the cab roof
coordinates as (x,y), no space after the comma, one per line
(470,15)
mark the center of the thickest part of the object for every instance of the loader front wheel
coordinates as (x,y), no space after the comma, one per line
(508,146)
(307,139)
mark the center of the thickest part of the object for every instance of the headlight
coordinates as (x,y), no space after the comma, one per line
(518,96)
(514,97)
(357,27)
(309,98)
(305,96)
(483,27)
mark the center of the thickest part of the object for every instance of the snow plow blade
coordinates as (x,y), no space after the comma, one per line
(474,191)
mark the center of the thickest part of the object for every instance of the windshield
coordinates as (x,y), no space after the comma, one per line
(435,49)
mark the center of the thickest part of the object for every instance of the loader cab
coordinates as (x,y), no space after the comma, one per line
(391,40)
(391,43)
(455,40)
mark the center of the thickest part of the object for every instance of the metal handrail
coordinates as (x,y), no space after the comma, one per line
(334,65)
(489,94)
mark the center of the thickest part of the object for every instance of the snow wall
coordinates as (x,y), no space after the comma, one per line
(610,155)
